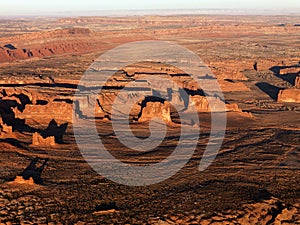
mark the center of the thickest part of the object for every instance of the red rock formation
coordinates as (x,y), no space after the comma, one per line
(289,95)
(233,108)
(38,140)
(21,180)
(43,114)
(225,73)
(25,80)
(46,44)
(201,103)
(60,42)
(106,100)
(86,107)
(227,86)
(5,131)
(290,70)
(156,109)
(297,82)
(270,211)
(261,213)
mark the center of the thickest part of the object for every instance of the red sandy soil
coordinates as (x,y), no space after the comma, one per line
(255,177)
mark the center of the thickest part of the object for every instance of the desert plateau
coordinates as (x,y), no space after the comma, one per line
(255,177)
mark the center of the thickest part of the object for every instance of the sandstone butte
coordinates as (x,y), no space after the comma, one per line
(157,109)
(289,95)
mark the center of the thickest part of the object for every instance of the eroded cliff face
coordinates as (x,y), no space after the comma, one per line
(43,114)
(289,95)
(42,44)
(289,70)
(32,104)
(40,99)
(67,41)
(5,131)
(212,104)
(156,110)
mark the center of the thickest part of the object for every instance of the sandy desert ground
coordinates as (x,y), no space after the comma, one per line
(255,178)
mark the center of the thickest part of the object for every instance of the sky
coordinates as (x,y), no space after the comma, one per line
(15,7)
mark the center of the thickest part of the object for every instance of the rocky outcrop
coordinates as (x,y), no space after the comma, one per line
(232,86)
(233,108)
(156,109)
(51,136)
(289,95)
(267,212)
(270,211)
(38,45)
(32,173)
(228,69)
(21,80)
(39,140)
(289,70)
(88,106)
(59,111)
(297,82)
(42,51)
(201,103)
(101,106)
(5,131)
(21,180)
(56,131)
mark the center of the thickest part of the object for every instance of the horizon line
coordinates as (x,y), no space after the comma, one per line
(156,12)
